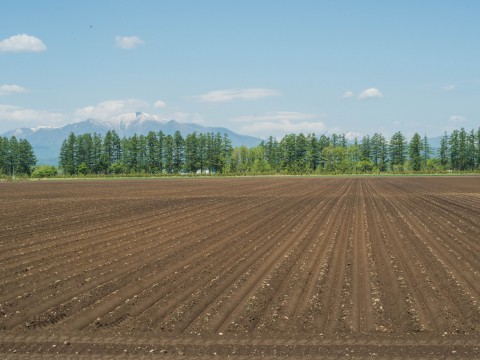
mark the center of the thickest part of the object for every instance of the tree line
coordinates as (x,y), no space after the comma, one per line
(458,151)
(157,153)
(16,157)
(154,153)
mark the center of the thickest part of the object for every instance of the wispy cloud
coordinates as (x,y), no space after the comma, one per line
(281,123)
(351,135)
(159,104)
(12,89)
(281,128)
(128,42)
(347,94)
(277,116)
(371,93)
(22,43)
(32,116)
(448,88)
(236,94)
(107,109)
(457,118)
(185,117)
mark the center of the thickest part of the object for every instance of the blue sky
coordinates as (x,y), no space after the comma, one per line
(257,67)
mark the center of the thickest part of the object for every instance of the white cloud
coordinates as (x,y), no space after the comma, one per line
(283,127)
(11,89)
(159,104)
(107,109)
(277,116)
(347,94)
(281,123)
(22,43)
(351,135)
(370,93)
(14,113)
(448,88)
(457,118)
(181,116)
(234,94)
(128,42)
(185,117)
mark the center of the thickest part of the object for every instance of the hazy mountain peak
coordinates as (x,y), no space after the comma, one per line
(128,120)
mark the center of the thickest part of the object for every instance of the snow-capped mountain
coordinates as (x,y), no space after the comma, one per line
(127,121)
(46,141)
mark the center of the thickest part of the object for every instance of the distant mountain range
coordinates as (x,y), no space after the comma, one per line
(46,141)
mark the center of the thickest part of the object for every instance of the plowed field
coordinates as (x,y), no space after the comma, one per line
(241,267)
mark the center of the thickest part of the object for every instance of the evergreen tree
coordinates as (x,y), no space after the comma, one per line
(459,149)
(210,149)
(463,151)
(323,143)
(217,153)
(397,151)
(443,152)
(152,161)
(130,150)
(107,151)
(117,147)
(471,151)
(3,156)
(454,144)
(335,140)
(191,153)
(142,158)
(226,152)
(26,158)
(271,151)
(161,151)
(426,151)
(97,158)
(378,152)
(178,152)
(84,145)
(68,153)
(301,153)
(288,153)
(415,149)
(169,154)
(366,148)
(112,153)
(202,153)
(13,156)
(16,156)
(313,152)
(478,148)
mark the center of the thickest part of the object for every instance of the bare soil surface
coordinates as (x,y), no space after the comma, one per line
(246,268)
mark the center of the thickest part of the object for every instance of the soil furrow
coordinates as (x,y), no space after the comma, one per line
(245,267)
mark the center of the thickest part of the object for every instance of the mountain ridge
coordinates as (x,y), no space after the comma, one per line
(47,140)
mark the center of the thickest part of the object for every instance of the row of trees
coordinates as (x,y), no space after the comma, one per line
(16,157)
(158,153)
(459,151)
(154,153)
(294,154)
(307,153)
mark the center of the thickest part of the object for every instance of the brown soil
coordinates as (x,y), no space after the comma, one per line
(241,267)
